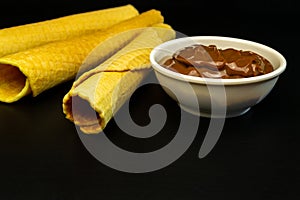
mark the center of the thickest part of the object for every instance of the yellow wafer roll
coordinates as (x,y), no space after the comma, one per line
(23,37)
(100,92)
(38,69)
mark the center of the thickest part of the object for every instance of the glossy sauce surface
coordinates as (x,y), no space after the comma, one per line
(211,62)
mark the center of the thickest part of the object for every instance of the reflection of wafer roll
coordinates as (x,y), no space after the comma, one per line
(38,69)
(23,37)
(100,92)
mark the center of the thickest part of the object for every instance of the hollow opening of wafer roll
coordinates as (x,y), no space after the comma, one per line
(82,113)
(13,83)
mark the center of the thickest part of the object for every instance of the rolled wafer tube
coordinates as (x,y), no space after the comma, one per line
(23,37)
(38,69)
(97,94)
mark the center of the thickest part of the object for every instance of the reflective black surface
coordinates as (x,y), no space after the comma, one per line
(256,157)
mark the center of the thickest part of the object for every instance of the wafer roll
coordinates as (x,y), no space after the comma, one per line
(99,93)
(23,37)
(38,69)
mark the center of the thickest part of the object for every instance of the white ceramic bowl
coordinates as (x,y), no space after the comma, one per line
(216,97)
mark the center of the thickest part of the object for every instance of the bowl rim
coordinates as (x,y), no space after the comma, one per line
(201,80)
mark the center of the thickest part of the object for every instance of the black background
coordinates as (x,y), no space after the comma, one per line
(256,157)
